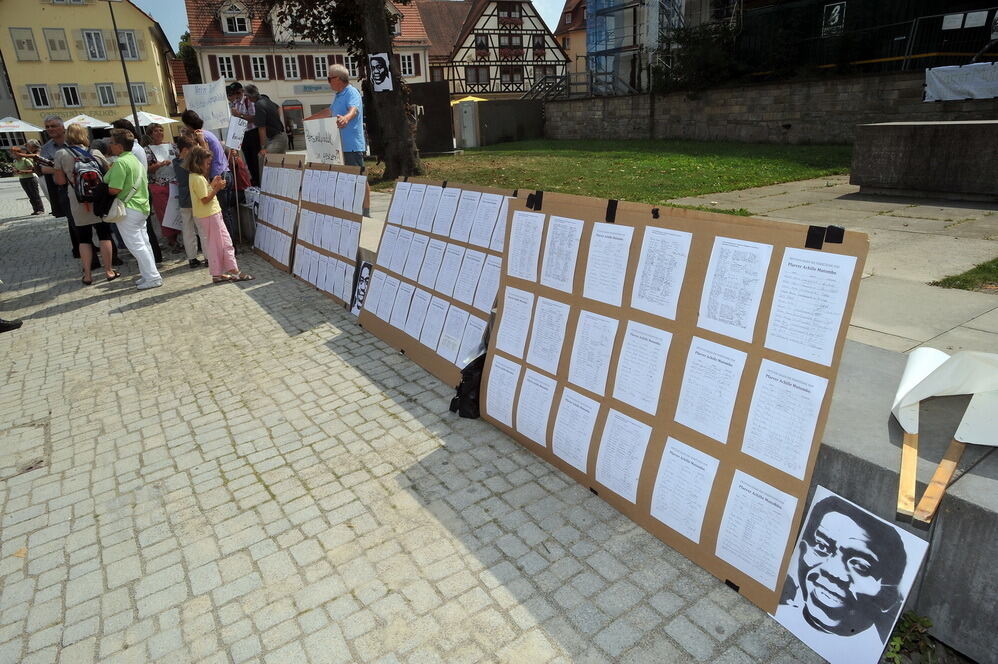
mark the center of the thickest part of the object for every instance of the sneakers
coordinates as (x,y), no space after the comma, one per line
(193,263)
(146,285)
(8,325)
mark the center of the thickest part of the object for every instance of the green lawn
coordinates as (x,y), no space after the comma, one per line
(982,277)
(639,171)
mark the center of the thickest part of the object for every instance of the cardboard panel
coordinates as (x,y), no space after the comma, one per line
(458,290)
(752,508)
(326,249)
(277,209)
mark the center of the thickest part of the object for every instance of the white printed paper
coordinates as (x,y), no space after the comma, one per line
(401,251)
(782,417)
(431,263)
(499,232)
(428,209)
(641,366)
(414,261)
(446,209)
(594,336)
(524,245)
(534,406)
(733,287)
(485,219)
(682,488)
(403,298)
(397,207)
(417,313)
(515,321)
(560,252)
(467,277)
(471,341)
(488,284)
(808,303)
(573,428)
(548,334)
(621,453)
(387,300)
(503,377)
(453,332)
(607,265)
(410,213)
(710,386)
(387,248)
(661,270)
(449,269)
(434,322)
(465,215)
(755,528)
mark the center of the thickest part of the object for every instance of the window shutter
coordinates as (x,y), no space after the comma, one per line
(140,44)
(337,59)
(213,66)
(416,68)
(81,45)
(110,43)
(280,68)
(272,67)
(361,67)
(308,71)
(303,67)
(237,64)
(247,66)
(398,63)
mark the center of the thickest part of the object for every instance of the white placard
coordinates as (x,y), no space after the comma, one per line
(210,102)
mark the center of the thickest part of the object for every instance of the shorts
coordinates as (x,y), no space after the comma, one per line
(84,234)
(353,159)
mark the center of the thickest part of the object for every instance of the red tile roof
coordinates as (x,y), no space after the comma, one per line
(443,20)
(202,21)
(577,8)
(179,72)
(413,30)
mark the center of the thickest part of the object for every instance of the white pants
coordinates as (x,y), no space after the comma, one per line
(133,232)
(190,233)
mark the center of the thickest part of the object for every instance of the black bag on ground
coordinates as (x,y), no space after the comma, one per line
(465,403)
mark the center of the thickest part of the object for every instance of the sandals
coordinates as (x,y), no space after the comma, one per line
(222,279)
(242,276)
(87,283)
(114,276)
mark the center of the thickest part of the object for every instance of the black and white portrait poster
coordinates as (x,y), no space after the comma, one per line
(360,288)
(381,74)
(848,579)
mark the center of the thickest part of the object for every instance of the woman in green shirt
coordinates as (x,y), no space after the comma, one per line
(26,175)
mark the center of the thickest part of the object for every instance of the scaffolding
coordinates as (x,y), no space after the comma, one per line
(623,35)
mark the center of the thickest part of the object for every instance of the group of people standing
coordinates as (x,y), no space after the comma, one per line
(149,182)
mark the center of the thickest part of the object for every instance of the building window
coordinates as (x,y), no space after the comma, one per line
(481,42)
(437,74)
(24,43)
(321,67)
(509,9)
(476,76)
(406,64)
(564,43)
(55,39)
(39,96)
(291,67)
(507,40)
(94,41)
(226,68)
(70,96)
(568,18)
(511,75)
(14,139)
(397,26)
(105,94)
(350,62)
(236,24)
(126,42)
(540,71)
(139,94)
(258,63)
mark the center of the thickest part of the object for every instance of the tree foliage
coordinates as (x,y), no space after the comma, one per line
(190,57)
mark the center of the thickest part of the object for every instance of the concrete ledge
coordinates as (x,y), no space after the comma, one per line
(950,158)
(957,588)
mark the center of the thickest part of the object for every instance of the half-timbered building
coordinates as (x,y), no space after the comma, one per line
(501,49)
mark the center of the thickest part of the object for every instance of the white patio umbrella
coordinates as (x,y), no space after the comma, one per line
(11,125)
(146,119)
(88,122)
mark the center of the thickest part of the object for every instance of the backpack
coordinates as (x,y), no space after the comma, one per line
(88,175)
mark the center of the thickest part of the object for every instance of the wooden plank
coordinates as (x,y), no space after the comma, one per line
(907,479)
(929,503)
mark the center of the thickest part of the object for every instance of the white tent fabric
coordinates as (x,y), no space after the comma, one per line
(88,122)
(974,81)
(11,125)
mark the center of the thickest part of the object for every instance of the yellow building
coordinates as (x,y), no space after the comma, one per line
(62,58)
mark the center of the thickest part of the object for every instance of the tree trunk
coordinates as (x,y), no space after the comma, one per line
(389,107)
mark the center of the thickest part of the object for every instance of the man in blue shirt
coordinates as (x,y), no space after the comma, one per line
(348,111)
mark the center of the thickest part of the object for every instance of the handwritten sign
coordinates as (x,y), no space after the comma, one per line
(234,136)
(322,142)
(209,101)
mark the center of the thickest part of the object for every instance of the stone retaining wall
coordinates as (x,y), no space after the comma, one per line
(818,111)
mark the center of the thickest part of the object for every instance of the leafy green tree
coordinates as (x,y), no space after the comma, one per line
(190,58)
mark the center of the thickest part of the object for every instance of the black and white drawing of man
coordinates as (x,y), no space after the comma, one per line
(844,590)
(381,76)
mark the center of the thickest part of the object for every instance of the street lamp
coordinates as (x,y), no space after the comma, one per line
(124,69)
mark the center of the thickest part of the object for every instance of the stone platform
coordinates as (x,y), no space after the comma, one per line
(950,159)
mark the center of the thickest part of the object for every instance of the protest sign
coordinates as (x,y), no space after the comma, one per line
(234,136)
(322,142)
(171,216)
(209,101)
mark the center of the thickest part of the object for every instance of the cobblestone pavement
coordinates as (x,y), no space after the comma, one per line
(242,474)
